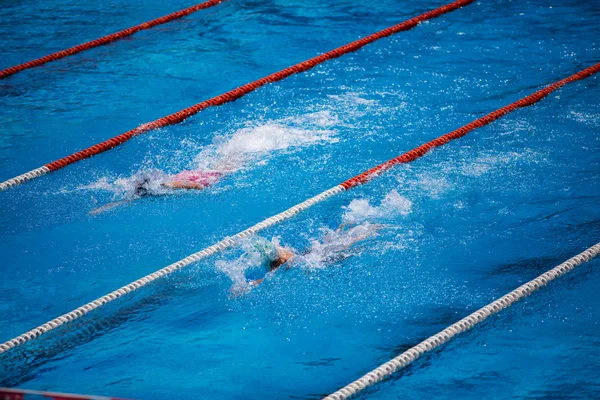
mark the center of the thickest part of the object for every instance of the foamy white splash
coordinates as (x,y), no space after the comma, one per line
(126,187)
(250,144)
(336,245)
(392,205)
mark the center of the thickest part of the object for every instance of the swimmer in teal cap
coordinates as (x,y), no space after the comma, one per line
(332,248)
(273,256)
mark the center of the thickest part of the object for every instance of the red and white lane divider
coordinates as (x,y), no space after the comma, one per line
(5,73)
(233,240)
(435,341)
(231,95)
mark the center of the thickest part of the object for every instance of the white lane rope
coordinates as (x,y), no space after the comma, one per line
(404,359)
(215,248)
(17,180)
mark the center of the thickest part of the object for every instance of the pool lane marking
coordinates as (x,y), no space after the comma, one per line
(231,241)
(5,73)
(394,365)
(234,94)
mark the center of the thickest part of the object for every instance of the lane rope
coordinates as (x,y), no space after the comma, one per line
(231,95)
(231,241)
(435,341)
(5,73)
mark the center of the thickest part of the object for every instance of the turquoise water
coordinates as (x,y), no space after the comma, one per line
(456,229)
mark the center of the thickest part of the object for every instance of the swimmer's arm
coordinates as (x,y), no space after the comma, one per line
(183,185)
(108,207)
(256,282)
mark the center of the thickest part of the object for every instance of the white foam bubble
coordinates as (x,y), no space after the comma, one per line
(352,98)
(233,269)
(337,245)
(391,206)
(587,118)
(433,185)
(323,118)
(100,184)
(270,137)
(126,187)
(491,161)
(251,144)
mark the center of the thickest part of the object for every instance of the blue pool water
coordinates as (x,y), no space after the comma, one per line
(457,228)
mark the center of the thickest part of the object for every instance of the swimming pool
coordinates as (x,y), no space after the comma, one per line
(461,226)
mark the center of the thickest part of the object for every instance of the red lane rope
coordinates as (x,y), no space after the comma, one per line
(106,39)
(243,90)
(460,132)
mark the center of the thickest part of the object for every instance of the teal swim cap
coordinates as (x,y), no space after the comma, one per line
(267,250)
(264,254)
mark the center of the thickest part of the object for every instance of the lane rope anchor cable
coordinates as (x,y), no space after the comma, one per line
(289,213)
(394,365)
(5,73)
(230,96)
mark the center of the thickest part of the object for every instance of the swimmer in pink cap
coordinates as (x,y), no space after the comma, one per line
(147,184)
(191,179)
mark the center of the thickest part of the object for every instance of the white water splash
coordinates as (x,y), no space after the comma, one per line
(392,205)
(151,180)
(251,144)
(336,245)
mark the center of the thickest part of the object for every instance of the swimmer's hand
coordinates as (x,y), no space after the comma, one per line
(183,185)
